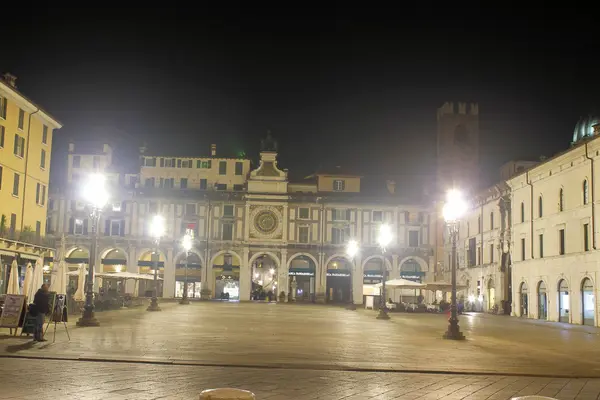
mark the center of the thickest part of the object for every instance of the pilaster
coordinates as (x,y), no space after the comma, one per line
(169,274)
(321,279)
(207,275)
(245,281)
(283,280)
(357,281)
(131,267)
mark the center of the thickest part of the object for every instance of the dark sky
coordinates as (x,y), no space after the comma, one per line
(356,86)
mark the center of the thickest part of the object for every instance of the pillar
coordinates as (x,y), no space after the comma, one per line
(169,274)
(132,266)
(207,277)
(245,279)
(357,281)
(321,279)
(97,265)
(283,279)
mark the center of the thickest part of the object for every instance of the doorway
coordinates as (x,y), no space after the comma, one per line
(587,302)
(542,301)
(563,301)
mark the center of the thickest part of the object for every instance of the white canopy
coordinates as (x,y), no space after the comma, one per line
(120,275)
(402,284)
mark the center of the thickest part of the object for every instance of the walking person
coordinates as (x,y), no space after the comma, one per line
(41,308)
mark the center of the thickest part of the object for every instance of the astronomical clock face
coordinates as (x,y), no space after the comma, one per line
(266,222)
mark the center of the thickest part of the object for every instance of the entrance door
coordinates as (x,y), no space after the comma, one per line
(491,295)
(542,301)
(523,297)
(563,301)
(587,302)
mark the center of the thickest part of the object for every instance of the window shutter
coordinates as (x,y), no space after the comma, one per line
(16,147)
(107,227)
(333,214)
(71,225)
(85,226)
(122,228)
(162,162)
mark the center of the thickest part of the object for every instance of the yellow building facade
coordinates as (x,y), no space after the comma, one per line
(25,153)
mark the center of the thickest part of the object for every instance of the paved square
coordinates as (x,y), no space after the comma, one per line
(320,337)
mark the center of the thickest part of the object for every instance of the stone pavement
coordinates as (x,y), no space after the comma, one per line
(325,338)
(52,379)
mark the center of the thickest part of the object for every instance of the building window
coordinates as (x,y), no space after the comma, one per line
(239,168)
(76,161)
(2,130)
(413,238)
(222,167)
(78,227)
(40,194)
(203,184)
(227,231)
(149,183)
(43,159)
(491,220)
(19,148)
(585,192)
(561,200)
(183,183)
(522,212)
(13,223)
(303,234)
(1,172)
(523,249)
(541,238)
(45,134)
(339,185)
(340,215)
(228,210)
(586,237)
(540,207)
(561,242)
(3,104)
(38,229)
(471,252)
(117,207)
(221,186)
(21,119)
(15,191)
(190,209)
(303,213)
(377,216)
(150,161)
(340,235)
(203,164)
(491,253)
(115,228)
(238,187)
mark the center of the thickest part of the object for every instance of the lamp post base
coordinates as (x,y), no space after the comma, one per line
(153,305)
(383,314)
(88,319)
(453,332)
(184,300)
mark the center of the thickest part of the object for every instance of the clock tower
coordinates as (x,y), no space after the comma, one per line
(458,147)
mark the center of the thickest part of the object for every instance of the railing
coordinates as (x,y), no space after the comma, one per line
(28,238)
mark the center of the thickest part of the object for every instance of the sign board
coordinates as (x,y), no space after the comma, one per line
(13,308)
(338,273)
(301,272)
(58,311)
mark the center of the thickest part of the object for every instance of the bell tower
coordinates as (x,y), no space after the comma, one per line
(458,147)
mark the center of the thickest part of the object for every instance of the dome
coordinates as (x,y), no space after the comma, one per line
(585,127)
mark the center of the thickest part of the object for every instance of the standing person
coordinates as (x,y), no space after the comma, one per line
(42,308)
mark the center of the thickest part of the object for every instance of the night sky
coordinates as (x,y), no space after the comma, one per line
(357,87)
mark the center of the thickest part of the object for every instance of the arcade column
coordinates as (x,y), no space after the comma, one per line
(132,266)
(245,279)
(283,279)
(207,276)
(169,275)
(357,280)
(321,279)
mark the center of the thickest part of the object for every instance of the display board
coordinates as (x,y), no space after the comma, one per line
(14,305)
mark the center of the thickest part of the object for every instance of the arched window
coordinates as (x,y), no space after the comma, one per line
(492,220)
(522,212)
(585,192)
(561,200)
(540,207)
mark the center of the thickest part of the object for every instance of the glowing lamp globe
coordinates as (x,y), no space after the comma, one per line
(95,192)
(186,242)
(157,227)
(352,248)
(455,207)
(385,235)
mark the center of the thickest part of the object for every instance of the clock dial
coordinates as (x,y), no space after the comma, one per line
(266,222)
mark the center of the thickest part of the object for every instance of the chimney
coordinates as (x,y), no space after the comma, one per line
(391,186)
(213,150)
(10,79)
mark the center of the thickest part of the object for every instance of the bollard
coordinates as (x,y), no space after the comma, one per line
(226,394)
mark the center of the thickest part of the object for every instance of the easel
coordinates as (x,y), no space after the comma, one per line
(59,313)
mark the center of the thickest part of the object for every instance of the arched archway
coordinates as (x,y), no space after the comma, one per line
(146,261)
(113,259)
(491,294)
(77,255)
(188,268)
(264,268)
(226,275)
(588,302)
(542,300)
(524,299)
(564,303)
(302,269)
(339,280)
(410,269)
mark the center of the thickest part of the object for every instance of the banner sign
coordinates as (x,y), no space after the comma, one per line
(301,272)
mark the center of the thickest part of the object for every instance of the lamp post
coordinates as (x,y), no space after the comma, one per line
(186,243)
(95,193)
(157,230)
(453,210)
(351,250)
(383,239)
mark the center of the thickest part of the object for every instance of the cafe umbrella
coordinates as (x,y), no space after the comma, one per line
(37,280)
(27,282)
(13,279)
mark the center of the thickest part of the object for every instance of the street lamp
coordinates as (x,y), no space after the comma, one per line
(351,251)
(157,230)
(453,210)
(383,239)
(95,193)
(186,243)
